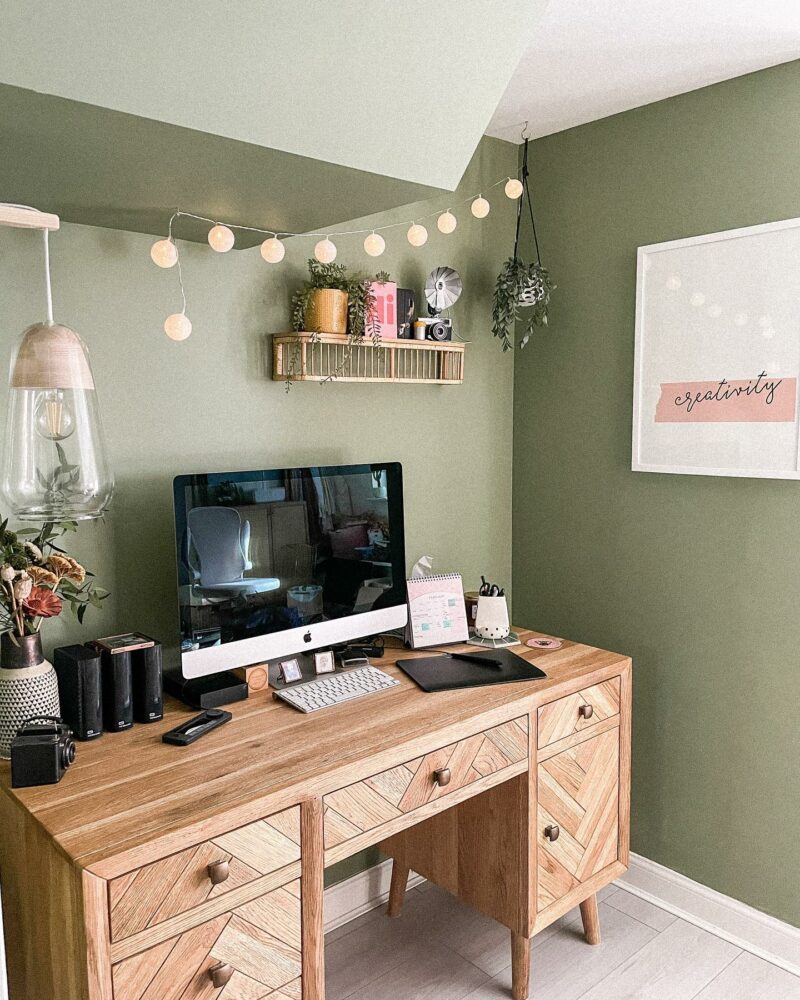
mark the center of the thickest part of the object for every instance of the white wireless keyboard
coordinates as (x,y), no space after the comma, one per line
(333,690)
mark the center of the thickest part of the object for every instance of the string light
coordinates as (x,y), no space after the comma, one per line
(374,244)
(220,238)
(480,207)
(446,222)
(417,235)
(272,250)
(325,251)
(164,253)
(178,326)
(513,188)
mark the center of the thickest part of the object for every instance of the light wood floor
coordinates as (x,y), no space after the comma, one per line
(440,950)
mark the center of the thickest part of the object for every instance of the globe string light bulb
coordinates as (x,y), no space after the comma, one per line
(446,222)
(513,188)
(417,235)
(54,418)
(325,251)
(374,244)
(480,207)
(221,239)
(164,253)
(272,250)
(178,326)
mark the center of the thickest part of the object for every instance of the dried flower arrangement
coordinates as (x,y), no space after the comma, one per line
(37,577)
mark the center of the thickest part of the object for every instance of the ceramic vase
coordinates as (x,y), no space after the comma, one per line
(491,618)
(28,686)
(327,311)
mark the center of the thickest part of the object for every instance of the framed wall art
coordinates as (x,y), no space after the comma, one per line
(717,358)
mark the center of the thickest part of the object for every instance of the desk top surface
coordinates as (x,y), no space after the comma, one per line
(130,798)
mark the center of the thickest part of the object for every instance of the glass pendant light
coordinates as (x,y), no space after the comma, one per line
(54,460)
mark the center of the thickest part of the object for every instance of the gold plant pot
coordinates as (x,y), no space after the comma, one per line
(327,311)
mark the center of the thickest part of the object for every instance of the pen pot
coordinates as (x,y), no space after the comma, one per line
(491,618)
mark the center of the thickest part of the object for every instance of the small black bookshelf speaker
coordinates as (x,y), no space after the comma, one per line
(117,691)
(80,690)
(148,690)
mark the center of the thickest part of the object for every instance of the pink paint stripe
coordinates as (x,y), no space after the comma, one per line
(764,399)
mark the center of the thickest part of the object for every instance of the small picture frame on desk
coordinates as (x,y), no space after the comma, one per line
(324,662)
(290,671)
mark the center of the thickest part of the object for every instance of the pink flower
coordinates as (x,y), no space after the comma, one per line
(42,603)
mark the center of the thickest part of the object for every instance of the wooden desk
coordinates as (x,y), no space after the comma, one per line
(159,873)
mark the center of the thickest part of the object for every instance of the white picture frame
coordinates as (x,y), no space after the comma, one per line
(324,662)
(718,316)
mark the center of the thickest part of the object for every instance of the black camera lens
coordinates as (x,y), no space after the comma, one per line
(438,331)
(68,752)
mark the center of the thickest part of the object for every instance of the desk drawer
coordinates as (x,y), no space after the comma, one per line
(173,885)
(251,952)
(578,711)
(384,797)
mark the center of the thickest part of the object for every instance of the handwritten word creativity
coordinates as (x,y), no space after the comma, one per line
(759,399)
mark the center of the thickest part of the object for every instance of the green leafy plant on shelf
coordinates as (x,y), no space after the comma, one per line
(360,300)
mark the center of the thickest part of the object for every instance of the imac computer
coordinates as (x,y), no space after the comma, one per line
(282,561)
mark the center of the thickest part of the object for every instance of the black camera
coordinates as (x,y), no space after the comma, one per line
(437,328)
(41,752)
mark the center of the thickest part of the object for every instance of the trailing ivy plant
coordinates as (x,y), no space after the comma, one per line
(520,287)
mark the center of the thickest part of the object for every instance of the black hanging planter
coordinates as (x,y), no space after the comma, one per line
(521,289)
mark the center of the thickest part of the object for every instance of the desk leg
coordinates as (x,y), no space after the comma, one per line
(591,920)
(520,965)
(311,899)
(397,890)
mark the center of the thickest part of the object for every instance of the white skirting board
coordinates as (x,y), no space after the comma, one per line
(742,925)
(359,894)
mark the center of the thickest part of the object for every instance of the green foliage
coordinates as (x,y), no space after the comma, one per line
(520,287)
(360,300)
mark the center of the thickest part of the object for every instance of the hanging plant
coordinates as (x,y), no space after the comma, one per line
(521,289)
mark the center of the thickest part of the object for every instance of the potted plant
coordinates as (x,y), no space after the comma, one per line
(37,577)
(521,286)
(332,301)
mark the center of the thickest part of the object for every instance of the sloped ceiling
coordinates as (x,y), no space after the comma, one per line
(403,90)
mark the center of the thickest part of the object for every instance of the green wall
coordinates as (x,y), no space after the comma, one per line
(207,404)
(697,578)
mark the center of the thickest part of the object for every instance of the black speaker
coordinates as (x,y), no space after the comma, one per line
(148,696)
(117,691)
(405,313)
(80,690)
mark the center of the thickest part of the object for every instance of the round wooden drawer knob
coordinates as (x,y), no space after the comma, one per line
(220,974)
(586,711)
(552,832)
(218,871)
(442,776)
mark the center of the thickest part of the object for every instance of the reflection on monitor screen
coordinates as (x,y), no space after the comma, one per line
(264,553)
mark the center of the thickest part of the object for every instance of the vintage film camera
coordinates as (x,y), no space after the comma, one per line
(442,289)
(41,752)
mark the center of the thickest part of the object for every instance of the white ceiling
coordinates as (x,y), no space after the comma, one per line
(594,58)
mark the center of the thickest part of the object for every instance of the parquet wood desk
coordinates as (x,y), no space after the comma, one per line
(161,873)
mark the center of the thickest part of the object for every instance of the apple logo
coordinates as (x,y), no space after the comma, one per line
(307,637)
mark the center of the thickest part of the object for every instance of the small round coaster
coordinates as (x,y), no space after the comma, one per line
(545,643)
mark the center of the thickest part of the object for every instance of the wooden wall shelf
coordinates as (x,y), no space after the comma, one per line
(319,357)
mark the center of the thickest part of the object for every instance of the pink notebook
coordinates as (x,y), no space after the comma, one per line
(436,611)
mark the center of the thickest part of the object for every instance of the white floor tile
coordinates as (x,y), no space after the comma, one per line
(433,973)
(675,965)
(751,978)
(565,966)
(642,910)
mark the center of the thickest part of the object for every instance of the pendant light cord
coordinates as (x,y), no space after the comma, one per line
(47,285)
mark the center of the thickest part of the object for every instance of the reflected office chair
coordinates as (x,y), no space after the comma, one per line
(218,546)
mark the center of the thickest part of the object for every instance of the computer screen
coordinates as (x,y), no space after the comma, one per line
(273,562)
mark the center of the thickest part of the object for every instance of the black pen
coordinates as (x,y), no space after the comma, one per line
(483,661)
